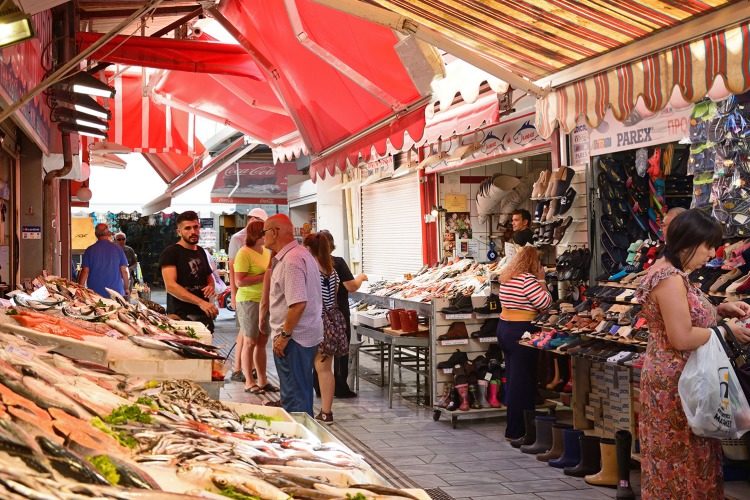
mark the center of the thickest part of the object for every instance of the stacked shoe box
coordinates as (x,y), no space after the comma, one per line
(598,395)
(609,401)
(636,385)
(619,397)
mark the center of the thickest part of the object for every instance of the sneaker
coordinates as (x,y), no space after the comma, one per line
(325,418)
(237,376)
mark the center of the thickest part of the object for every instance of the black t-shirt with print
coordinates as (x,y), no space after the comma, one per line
(193,272)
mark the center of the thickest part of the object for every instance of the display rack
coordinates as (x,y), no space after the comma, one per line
(441,351)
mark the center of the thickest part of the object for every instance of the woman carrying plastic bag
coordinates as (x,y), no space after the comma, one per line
(712,398)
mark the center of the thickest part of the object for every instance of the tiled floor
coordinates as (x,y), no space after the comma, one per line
(408,448)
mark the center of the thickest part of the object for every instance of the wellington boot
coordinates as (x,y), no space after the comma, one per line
(530,436)
(494,392)
(463,393)
(445,399)
(484,392)
(557,444)
(623,440)
(607,476)
(455,401)
(543,436)
(556,378)
(474,397)
(571,450)
(590,458)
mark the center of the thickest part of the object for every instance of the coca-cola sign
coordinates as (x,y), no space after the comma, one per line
(253,183)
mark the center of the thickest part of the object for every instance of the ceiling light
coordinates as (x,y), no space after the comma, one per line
(81,130)
(517,160)
(84,83)
(15,27)
(68,115)
(82,103)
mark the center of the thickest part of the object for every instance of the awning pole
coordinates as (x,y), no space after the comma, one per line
(63,70)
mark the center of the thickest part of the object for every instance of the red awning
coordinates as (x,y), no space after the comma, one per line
(170,165)
(691,68)
(198,56)
(328,100)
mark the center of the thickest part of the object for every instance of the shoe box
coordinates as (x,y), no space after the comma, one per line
(609,399)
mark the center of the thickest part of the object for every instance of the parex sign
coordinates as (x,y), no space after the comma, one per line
(260,183)
(669,125)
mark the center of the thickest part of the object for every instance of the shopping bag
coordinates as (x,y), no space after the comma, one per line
(712,399)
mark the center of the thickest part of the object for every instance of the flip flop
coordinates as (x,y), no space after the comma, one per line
(254,389)
(269,387)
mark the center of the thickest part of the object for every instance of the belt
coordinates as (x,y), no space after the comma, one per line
(518,315)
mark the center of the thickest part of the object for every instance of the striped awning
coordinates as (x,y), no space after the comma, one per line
(534,38)
(684,73)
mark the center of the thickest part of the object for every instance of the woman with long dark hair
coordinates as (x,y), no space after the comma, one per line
(320,248)
(522,297)
(675,463)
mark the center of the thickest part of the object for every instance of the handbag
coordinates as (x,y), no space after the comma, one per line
(334,333)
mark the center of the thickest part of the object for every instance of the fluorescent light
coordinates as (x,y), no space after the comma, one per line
(517,160)
(15,28)
(91,123)
(80,130)
(84,83)
(82,103)
(68,115)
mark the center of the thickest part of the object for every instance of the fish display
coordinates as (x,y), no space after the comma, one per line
(60,307)
(70,430)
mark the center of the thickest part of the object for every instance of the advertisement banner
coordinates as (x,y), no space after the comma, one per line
(669,125)
(22,69)
(260,183)
(382,167)
(506,139)
(579,139)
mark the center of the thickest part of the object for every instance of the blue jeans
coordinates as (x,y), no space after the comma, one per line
(520,372)
(295,372)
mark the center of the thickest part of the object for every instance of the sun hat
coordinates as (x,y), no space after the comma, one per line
(258,213)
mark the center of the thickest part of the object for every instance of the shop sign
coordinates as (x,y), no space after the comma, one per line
(506,139)
(579,139)
(253,183)
(669,125)
(31,232)
(21,69)
(455,203)
(207,222)
(382,167)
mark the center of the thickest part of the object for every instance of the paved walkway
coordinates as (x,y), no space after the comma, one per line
(408,448)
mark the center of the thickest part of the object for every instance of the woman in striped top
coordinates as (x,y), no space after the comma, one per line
(319,246)
(522,297)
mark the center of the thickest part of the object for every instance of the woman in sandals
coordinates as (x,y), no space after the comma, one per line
(522,298)
(320,247)
(675,463)
(250,266)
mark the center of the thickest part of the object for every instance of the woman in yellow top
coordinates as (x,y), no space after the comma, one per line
(250,266)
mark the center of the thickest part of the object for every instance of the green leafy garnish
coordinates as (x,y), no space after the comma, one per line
(11,312)
(257,416)
(191,332)
(358,496)
(100,303)
(147,401)
(152,384)
(231,492)
(127,413)
(122,437)
(106,468)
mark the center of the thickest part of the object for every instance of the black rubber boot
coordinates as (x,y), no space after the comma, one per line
(590,458)
(624,441)
(543,441)
(530,427)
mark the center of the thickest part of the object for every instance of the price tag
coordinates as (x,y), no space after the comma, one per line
(391,304)
(488,376)
(448,370)
(459,316)
(454,342)
(487,340)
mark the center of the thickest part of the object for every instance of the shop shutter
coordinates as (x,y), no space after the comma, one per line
(391,228)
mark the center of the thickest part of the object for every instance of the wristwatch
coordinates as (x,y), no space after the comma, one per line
(285,335)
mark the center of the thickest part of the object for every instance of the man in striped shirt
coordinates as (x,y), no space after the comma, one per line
(295,305)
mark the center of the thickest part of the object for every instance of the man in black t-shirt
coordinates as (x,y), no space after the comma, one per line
(187,274)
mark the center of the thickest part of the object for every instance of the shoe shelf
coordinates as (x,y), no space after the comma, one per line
(441,351)
(615,284)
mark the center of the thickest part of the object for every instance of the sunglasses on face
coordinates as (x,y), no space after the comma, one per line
(269,229)
(120,239)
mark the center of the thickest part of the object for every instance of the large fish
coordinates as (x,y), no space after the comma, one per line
(250,485)
(48,397)
(69,464)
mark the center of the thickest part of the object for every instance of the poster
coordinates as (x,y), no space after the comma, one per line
(457,226)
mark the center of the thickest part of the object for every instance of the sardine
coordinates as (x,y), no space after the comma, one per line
(121,327)
(384,490)
(149,343)
(307,493)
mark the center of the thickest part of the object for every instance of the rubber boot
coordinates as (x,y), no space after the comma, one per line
(494,390)
(556,450)
(476,404)
(568,387)
(624,441)
(455,400)
(445,399)
(484,392)
(607,476)
(556,377)
(530,427)
(571,450)
(543,436)
(590,458)
(463,393)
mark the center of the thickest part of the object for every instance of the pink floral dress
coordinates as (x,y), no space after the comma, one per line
(675,463)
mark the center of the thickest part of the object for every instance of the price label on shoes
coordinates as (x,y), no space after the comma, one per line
(454,342)
(448,371)
(487,340)
(459,316)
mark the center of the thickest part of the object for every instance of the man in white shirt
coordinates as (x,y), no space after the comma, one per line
(236,242)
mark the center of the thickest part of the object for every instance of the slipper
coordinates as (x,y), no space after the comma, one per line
(269,387)
(254,389)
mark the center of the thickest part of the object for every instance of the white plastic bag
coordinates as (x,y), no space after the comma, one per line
(712,398)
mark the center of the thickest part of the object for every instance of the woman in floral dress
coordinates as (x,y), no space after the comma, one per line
(675,463)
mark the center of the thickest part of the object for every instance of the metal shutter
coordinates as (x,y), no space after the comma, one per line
(391,228)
